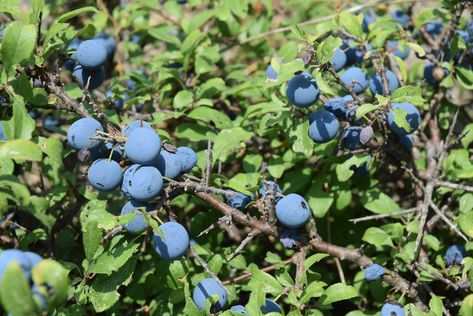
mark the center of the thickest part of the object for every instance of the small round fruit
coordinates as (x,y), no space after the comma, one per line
(188,158)
(270,307)
(290,238)
(455,255)
(368,19)
(400,51)
(355,78)
(175,242)
(205,289)
(168,164)
(142,146)
(270,187)
(412,117)
(142,183)
(377,84)
(105,175)
(2,134)
(134,125)
(339,59)
(401,17)
(434,28)
(238,309)
(108,41)
(13,255)
(138,223)
(293,211)
(238,200)
(434,74)
(373,272)
(351,137)
(94,77)
(271,73)
(302,90)
(323,126)
(392,309)
(81,131)
(91,54)
(342,107)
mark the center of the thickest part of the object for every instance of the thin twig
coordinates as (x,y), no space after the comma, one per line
(380,216)
(206,268)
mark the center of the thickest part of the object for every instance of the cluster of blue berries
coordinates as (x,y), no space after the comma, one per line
(87,63)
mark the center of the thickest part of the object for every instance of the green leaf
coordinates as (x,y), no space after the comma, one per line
(10,7)
(69,15)
(323,84)
(227,141)
(346,169)
(417,48)
(118,252)
(425,15)
(378,202)
(410,94)
(268,283)
(326,49)
(207,115)
(20,149)
(465,77)
(300,34)
(53,148)
(465,221)
(365,109)
(400,118)
(53,277)
(13,190)
(21,125)
(18,43)
(351,24)
(436,306)
(319,200)
(377,237)
(314,289)
(15,291)
(338,292)
(303,144)
(466,308)
(287,70)
(402,67)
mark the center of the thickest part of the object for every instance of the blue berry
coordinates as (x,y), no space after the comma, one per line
(91,54)
(368,19)
(238,309)
(103,151)
(168,164)
(433,74)
(238,200)
(188,158)
(80,132)
(205,289)
(82,75)
(351,138)
(271,73)
(373,272)
(2,134)
(293,211)
(377,85)
(302,90)
(434,28)
(469,28)
(455,255)
(341,107)
(138,223)
(142,183)
(323,126)
(412,117)
(392,309)
(339,59)
(400,17)
(463,34)
(13,255)
(355,77)
(134,125)
(50,122)
(175,242)
(142,146)
(270,187)
(290,238)
(406,142)
(270,307)
(39,297)
(108,41)
(355,54)
(105,175)
(399,51)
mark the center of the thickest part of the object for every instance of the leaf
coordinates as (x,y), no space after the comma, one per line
(15,291)
(377,237)
(303,144)
(287,70)
(465,221)
(338,292)
(323,84)
(319,200)
(465,77)
(365,109)
(296,30)
(206,114)
(183,99)
(417,48)
(53,276)
(13,190)
(53,148)
(268,283)
(228,140)
(326,49)
(410,94)
(466,308)
(118,252)
(21,125)
(314,259)
(74,13)
(20,149)
(402,67)
(400,118)
(378,202)
(346,169)
(18,43)
(314,289)
(351,24)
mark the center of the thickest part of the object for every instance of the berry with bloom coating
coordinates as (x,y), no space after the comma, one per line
(377,84)
(238,309)
(292,211)
(455,254)
(143,146)
(351,137)
(175,242)
(270,307)
(238,200)
(142,183)
(138,223)
(342,107)
(271,73)
(355,78)
(323,126)
(94,77)
(134,125)
(80,132)
(302,90)
(290,238)
(188,158)
(91,54)
(373,272)
(105,175)
(339,59)
(401,17)
(270,187)
(412,117)
(392,309)
(168,164)
(205,289)
(400,51)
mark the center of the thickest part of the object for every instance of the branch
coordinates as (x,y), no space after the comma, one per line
(454,186)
